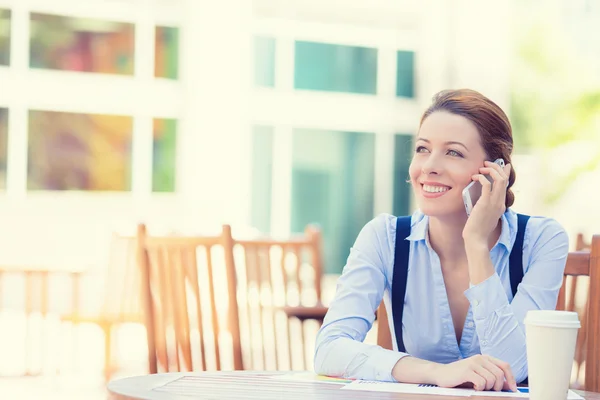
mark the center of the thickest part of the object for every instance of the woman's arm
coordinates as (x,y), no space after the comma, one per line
(499,324)
(483,372)
(340,350)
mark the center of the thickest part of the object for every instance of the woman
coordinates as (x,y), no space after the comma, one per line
(459,320)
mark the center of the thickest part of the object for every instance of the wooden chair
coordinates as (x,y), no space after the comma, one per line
(39,287)
(120,303)
(576,288)
(384,334)
(189,295)
(579,263)
(279,288)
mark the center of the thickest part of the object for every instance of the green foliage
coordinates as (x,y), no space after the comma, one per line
(554,101)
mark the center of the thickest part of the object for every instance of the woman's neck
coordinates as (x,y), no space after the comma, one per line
(445,237)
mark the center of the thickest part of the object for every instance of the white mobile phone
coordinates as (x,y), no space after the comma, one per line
(472,192)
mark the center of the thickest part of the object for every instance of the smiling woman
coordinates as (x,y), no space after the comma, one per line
(443,272)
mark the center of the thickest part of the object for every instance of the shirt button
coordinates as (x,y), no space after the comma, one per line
(476,302)
(470,324)
(484,342)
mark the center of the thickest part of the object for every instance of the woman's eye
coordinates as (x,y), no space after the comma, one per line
(454,153)
(421,149)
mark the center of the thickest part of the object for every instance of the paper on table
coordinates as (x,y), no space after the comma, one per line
(311,376)
(375,386)
(523,395)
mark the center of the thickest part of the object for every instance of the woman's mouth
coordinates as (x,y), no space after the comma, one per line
(432,191)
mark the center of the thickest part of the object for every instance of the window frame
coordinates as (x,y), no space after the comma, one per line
(285,108)
(141,96)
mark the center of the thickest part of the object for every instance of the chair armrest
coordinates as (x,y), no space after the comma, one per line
(303,313)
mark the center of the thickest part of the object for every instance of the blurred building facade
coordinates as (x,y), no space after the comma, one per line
(268,114)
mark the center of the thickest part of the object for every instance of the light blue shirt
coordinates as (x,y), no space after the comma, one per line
(494,323)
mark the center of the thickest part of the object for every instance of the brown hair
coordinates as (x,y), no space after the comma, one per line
(492,123)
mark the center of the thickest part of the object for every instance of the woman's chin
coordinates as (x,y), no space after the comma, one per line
(441,210)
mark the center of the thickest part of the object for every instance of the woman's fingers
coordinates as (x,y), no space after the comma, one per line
(478,381)
(486,186)
(490,378)
(500,180)
(508,374)
(498,373)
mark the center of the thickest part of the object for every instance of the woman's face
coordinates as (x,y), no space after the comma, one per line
(448,153)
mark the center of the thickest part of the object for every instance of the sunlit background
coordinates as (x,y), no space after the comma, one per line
(264,114)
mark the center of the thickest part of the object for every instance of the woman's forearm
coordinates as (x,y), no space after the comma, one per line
(414,370)
(480,263)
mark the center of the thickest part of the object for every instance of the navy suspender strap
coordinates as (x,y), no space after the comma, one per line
(515,261)
(400,274)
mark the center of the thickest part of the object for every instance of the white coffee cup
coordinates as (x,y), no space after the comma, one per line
(551,337)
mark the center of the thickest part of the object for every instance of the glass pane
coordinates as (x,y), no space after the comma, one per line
(405,74)
(81,44)
(167,52)
(69,151)
(264,61)
(262,170)
(403,152)
(335,68)
(332,185)
(164,155)
(4,37)
(3,145)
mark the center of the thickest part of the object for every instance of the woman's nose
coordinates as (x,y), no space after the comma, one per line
(431,166)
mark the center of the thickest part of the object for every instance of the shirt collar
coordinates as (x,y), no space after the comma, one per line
(420,228)
(509,229)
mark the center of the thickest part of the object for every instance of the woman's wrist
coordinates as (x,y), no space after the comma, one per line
(414,370)
(476,243)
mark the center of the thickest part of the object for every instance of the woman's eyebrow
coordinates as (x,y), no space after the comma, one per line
(446,143)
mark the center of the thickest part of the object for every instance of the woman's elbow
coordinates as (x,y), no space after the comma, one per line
(323,362)
(321,350)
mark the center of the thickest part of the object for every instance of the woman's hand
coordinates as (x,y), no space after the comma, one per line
(490,206)
(483,372)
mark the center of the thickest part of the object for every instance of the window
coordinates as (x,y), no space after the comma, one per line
(403,152)
(69,151)
(262,170)
(264,61)
(4,37)
(405,74)
(3,144)
(332,185)
(335,68)
(164,150)
(81,44)
(167,52)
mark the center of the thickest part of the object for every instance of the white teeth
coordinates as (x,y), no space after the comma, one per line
(435,189)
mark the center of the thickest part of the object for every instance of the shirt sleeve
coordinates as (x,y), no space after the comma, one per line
(500,324)
(340,350)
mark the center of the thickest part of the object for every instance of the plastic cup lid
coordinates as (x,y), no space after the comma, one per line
(551,318)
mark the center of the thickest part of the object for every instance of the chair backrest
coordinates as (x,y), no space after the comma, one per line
(189,296)
(575,298)
(121,301)
(581,244)
(384,334)
(579,263)
(272,274)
